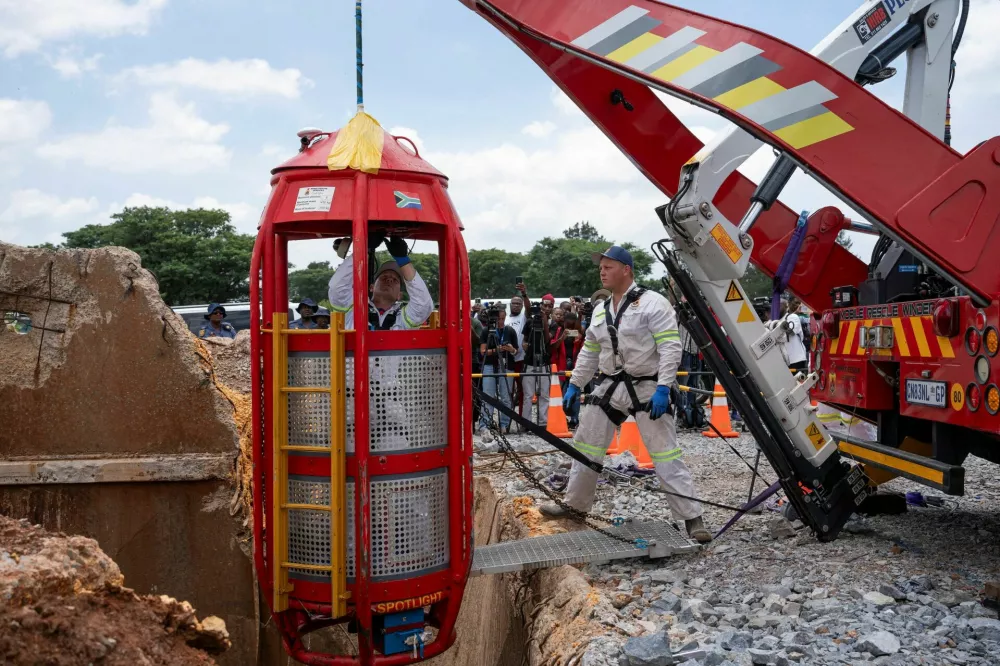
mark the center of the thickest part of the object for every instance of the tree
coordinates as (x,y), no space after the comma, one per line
(584,231)
(565,267)
(196,255)
(494,273)
(310,282)
(756,283)
(844,240)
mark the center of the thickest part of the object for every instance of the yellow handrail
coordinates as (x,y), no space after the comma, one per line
(338,466)
(278,529)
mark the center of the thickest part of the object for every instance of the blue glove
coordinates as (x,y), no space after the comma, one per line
(660,402)
(572,393)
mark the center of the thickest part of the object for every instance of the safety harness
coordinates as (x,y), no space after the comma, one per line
(620,376)
(386,324)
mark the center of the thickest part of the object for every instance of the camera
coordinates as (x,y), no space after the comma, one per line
(492,317)
(536,314)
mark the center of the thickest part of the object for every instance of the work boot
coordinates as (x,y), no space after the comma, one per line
(553,510)
(696,530)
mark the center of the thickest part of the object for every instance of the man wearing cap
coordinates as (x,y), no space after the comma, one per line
(385,310)
(306,309)
(633,345)
(322,318)
(215,327)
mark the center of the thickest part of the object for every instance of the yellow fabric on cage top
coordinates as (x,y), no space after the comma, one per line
(358,145)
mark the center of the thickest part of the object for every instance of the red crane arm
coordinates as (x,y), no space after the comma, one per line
(911,185)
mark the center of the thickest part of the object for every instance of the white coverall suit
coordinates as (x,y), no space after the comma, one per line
(649,343)
(383,371)
(411,315)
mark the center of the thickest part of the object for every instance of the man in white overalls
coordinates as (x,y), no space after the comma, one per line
(634,342)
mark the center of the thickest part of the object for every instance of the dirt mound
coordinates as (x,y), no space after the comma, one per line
(35,563)
(61,602)
(231,359)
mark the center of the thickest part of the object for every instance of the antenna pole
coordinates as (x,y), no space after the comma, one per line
(360,65)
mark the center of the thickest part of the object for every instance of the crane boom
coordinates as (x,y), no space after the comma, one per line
(610,56)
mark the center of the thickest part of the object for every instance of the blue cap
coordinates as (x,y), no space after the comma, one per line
(616,252)
(307,302)
(212,308)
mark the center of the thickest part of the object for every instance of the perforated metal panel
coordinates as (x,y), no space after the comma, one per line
(409,516)
(309,530)
(408,407)
(309,419)
(408,402)
(409,524)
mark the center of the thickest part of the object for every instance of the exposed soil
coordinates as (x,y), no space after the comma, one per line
(112,626)
(62,603)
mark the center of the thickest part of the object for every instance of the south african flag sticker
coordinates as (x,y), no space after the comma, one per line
(406,200)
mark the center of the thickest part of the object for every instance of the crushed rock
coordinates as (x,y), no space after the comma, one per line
(912,579)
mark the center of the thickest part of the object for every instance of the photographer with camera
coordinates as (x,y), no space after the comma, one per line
(385,311)
(537,338)
(498,349)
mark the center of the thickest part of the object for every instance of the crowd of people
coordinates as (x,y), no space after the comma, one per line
(617,354)
(528,341)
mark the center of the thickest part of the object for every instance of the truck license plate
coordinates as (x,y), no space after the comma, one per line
(921,392)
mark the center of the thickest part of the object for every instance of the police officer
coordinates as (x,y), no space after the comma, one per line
(215,327)
(322,318)
(385,310)
(306,309)
(634,343)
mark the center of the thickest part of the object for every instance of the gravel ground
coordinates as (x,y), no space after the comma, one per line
(900,589)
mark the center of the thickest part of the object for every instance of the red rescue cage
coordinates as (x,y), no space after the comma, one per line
(362,478)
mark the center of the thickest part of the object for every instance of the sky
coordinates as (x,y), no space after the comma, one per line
(190,103)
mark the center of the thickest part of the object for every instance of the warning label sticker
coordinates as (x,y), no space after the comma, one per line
(746,314)
(314,200)
(726,243)
(733,294)
(815,436)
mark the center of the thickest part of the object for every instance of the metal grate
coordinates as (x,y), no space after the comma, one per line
(309,419)
(409,524)
(308,369)
(407,401)
(308,541)
(580,547)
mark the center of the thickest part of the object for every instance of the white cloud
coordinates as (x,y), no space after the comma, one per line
(33,216)
(510,195)
(563,104)
(23,120)
(25,25)
(244,216)
(176,140)
(980,49)
(409,133)
(539,129)
(70,66)
(252,77)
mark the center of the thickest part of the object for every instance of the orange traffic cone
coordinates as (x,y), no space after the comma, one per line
(616,445)
(630,439)
(557,417)
(720,415)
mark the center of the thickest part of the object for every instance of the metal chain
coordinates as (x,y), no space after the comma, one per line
(582,517)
